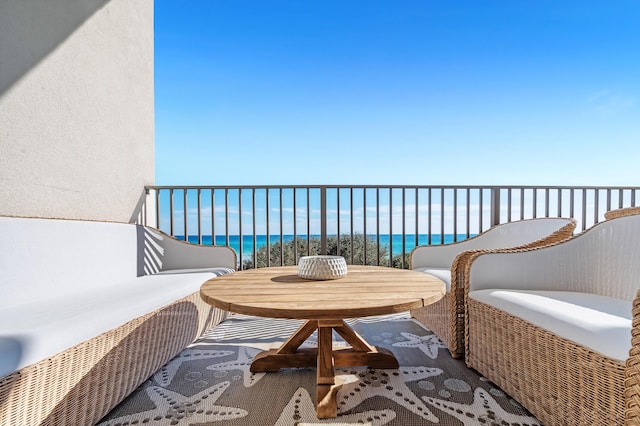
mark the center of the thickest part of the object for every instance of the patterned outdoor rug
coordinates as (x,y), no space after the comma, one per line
(210,383)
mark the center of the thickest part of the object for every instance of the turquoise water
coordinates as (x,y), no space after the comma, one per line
(261,241)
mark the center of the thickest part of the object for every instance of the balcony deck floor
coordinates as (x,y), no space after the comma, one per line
(209,382)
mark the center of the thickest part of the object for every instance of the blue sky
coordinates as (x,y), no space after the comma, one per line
(397,92)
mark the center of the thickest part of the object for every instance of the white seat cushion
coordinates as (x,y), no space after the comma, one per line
(34,331)
(443,274)
(600,323)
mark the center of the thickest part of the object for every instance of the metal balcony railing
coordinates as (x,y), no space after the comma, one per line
(373,225)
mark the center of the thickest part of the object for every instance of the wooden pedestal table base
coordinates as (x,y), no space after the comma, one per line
(279,292)
(324,358)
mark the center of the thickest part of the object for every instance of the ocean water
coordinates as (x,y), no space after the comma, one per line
(261,241)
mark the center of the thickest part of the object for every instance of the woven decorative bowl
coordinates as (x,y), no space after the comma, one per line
(322,267)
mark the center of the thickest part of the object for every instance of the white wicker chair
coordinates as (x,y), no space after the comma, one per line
(446,317)
(558,327)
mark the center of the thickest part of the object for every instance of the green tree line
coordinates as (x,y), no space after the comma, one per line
(360,250)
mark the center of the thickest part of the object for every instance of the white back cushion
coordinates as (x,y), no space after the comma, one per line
(506,235)
(41,256)
(513,234)
(602,260)
(163,253)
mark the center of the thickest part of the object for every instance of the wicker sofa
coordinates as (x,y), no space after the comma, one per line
(558,327)
(446,317)
(89,310)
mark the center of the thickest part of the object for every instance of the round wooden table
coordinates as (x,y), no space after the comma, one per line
(278,292)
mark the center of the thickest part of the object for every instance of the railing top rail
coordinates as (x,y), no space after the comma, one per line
(575,187)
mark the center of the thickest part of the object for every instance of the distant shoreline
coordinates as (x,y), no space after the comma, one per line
(261,240)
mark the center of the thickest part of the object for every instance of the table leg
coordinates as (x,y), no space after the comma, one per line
(301,334)
(288,355)
(324,358)
(326,404)
(361,353)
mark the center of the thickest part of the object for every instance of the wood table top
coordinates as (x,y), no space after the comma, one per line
(278,292)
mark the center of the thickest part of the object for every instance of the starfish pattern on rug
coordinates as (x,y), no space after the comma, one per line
(165,375)
(302,411)
(361,383)
(428,344)
(243,362)
(484,409)
(176,409)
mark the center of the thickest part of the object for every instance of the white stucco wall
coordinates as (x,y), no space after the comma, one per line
(76,107)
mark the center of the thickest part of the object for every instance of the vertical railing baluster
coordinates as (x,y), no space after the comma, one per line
(295,225)
(442,216)
(323,220)
(455,214)
(158,209)
(559,202)
(417,213)
(226,215)
(468,224)
(495,206)
(429,218)
(240,231)
(571,203)
(199,217)
(364,215)
(390,261)
(171,206)
(546,202)
(404,229)
(338,221)
(255,233)
(184,214)
(584,208)
(281,231)
(378,226)
(213,215)
(308,221)
(268,232)
(481,208)
(596,206)
(351,217)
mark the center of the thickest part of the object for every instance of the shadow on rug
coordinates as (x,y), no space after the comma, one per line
(210,383)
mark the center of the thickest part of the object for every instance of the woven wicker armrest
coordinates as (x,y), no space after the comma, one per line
(632,370)
(457,300)
(627,211)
